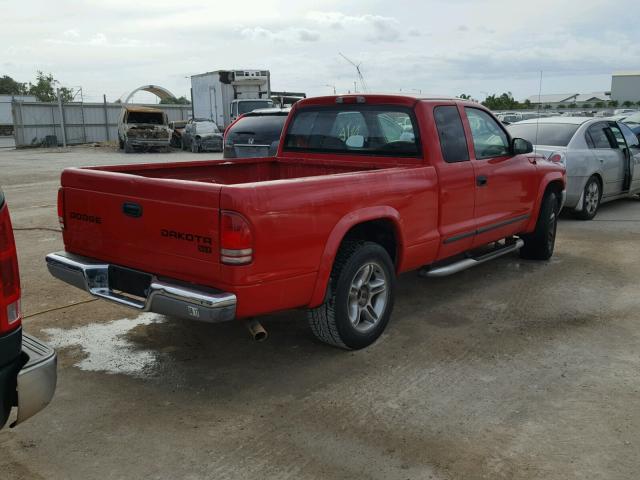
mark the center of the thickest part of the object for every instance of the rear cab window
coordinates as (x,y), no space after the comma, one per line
(354,129)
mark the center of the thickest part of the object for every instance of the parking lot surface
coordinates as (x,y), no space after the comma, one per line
(512,370)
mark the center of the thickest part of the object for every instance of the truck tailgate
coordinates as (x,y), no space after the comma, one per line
(161,226)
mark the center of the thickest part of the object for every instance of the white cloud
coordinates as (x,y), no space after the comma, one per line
(376,27)
(112,47)
(285,35)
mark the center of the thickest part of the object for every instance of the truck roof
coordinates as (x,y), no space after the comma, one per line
(377,98)
(140,108)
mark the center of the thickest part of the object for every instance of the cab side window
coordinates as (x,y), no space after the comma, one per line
(453,141)
(489,139)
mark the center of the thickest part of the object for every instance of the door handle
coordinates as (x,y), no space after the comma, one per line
(482,180)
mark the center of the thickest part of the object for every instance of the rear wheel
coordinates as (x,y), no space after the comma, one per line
(591,200)
(195,148)
(540,244)
(359,299)
(128,148)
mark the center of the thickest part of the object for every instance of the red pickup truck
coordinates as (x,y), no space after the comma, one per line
(363,187)
(27,366)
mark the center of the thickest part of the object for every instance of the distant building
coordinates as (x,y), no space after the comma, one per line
(557,99)
(625,87)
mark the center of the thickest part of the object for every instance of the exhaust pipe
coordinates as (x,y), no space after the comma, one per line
(256,330)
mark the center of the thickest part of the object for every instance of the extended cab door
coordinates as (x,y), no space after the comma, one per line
(506,185)
(456,181)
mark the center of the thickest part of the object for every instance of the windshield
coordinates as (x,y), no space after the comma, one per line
(153,118)
(357,129)
(554,134)
(248,105)
(206,127)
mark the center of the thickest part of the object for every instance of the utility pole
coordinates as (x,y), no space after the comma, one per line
(106,116)
(62,126)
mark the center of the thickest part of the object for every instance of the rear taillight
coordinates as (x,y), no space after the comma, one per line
(236,239)
(10,314)
(61,208)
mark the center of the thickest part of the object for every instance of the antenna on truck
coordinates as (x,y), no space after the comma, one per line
(357,67)
(535,146)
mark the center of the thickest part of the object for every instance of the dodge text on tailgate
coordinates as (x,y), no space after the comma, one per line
(362,189)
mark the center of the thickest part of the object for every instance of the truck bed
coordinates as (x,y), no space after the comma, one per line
(241,171)
(164,219)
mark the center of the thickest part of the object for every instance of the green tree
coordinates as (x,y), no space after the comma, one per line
(502,102)
(573,105)
(175,101)
(562,106)
(8,86)
(526,104)
(464,96)
(638,103)
(613,103)
(627,104)
(45,89)
(599,105)
(547,107)
(586,105)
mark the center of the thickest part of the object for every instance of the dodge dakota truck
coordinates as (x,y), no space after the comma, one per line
(27,366)
(362,188)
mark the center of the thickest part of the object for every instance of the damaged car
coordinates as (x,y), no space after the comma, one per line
(201,135)
(143,128)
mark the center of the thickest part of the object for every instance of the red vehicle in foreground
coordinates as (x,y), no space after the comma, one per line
(27,366)
(363,187)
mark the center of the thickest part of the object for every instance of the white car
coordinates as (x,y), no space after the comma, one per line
(602,157)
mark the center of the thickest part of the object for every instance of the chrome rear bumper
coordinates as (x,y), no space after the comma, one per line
(166,297)
(37,379)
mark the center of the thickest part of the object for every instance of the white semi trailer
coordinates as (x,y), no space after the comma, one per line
(223,95)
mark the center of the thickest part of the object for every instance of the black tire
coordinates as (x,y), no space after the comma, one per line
(330,321)
(540,244)
(120,143)
(195,148)
(128,148)
(589,208)
(182,145)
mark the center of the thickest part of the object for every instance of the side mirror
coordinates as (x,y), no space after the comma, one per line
(521,146)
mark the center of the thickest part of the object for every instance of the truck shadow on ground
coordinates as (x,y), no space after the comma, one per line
(492,310)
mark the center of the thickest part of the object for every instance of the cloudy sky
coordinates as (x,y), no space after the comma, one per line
(444,47)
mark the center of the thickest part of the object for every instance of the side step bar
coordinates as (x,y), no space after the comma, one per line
(465,263)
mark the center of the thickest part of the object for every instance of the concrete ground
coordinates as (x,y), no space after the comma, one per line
(512,370)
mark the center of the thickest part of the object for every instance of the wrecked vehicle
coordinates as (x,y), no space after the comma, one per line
(143,128)
(201,135)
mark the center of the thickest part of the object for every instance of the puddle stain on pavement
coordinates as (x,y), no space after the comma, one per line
(106,346)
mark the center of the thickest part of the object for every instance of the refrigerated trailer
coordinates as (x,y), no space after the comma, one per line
(223,95)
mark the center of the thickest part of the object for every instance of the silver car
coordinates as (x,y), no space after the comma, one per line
(602,157)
